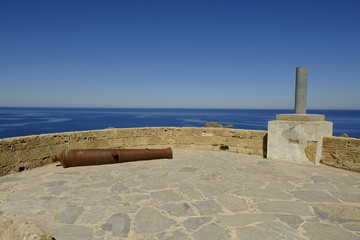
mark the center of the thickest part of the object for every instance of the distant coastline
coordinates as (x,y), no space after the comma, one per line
(177,108)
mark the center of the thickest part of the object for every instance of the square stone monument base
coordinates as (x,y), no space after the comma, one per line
(297,137)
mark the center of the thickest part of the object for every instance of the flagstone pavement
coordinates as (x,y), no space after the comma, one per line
(196,195)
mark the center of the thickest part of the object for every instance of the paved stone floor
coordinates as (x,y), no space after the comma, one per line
(196,195)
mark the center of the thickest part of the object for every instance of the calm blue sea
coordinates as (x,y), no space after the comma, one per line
(29,121)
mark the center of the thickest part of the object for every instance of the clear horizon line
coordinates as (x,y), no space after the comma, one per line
(310,109)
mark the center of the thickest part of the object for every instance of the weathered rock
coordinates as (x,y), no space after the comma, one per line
(213,125)
(217,125)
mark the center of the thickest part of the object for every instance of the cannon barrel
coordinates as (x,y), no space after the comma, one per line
(85,157)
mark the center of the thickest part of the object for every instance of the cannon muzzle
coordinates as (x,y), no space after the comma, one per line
(85,157)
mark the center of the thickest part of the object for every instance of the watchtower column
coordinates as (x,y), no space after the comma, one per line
(298,137)
(300,90)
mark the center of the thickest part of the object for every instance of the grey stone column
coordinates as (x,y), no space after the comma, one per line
(300,90)
(298,137)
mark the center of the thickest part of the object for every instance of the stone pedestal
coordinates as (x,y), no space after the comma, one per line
(297,137)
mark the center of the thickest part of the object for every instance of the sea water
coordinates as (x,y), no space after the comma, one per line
(31,121)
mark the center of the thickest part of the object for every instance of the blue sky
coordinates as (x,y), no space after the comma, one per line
(179,54)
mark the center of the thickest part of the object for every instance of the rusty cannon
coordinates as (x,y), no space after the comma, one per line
(85,157)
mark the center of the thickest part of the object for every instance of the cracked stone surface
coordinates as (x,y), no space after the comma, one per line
(118,224)
(195,195)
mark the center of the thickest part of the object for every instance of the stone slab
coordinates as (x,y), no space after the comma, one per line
(300,117)
(297,141)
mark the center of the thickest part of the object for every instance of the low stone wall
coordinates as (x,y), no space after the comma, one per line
(341,152)
(21,153)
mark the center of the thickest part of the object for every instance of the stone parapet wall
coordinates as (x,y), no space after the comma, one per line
(341,152)
(21,153)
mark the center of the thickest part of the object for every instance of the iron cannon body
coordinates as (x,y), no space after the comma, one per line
(85,157)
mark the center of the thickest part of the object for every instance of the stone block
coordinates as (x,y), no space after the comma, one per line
(173,131)
(99,134)
(36,153)
(31,142)
(111,133)
(97,144)
(137,141)
(257,134)
(329,153)
(7,158)
(239,149)
(54,139)
(300,117)
(337,142)
(353,166)
(297,141)
(208,140)
(154,140)
(5,145)
(76,137)
(259,152)
(189,131)
(77,145)
(183,140)
(170,140)
(56,149)
(117,143)
(354,144)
